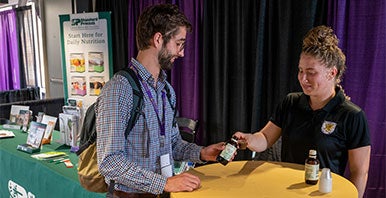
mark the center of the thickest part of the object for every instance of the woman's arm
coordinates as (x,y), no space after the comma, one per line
(260,141)
(359,160)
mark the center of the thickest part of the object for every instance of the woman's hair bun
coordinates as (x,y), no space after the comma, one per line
(321,37)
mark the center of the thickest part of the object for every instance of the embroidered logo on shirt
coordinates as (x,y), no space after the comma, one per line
(328,127)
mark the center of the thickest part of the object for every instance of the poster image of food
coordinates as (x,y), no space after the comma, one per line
(77,62)
(96,84)
(78,86)
(86,47)
(95,62)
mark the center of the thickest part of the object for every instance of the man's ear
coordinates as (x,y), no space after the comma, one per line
(157,39)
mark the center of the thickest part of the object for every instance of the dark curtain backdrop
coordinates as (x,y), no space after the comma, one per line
(251,51)
(119,29)
(361,28)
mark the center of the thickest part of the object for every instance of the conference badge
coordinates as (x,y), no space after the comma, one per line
(328,127)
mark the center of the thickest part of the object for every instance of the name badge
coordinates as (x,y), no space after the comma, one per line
(166,167)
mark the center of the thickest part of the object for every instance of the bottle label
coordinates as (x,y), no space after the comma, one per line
(312,172)
(227,153)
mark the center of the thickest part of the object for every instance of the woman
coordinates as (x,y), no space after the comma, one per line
(322,117)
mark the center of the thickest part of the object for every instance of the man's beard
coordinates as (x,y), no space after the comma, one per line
(164,59)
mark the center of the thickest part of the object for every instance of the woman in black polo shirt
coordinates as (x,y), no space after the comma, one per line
(321,117)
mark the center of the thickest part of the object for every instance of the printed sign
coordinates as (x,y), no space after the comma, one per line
(86,55)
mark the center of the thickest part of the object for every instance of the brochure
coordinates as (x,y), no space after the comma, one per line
(68,129)
(73,138)
(49,155)
(34,139)
(11,126)
(6,134)
(50,121)
(15,110)
(39,117)
(35,134)
(23,119)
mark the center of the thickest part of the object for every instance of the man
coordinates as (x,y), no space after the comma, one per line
(141,165)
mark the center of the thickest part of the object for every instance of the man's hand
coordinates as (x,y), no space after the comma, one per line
(182,182)
(210,152)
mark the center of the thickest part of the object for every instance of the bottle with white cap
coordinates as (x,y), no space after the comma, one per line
(325,183)
(312,168)
(229,151)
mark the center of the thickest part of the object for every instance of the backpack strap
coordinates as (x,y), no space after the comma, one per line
(137,97)
(86,139)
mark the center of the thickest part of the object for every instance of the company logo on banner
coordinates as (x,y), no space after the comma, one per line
(17,191)
(84,22)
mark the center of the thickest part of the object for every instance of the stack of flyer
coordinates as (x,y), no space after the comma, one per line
(70,122)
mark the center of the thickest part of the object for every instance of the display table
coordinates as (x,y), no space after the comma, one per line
(261,179)
(23,176)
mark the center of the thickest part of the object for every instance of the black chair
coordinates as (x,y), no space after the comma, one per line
(188,128)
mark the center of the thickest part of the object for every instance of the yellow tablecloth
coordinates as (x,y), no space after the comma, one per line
(261,179)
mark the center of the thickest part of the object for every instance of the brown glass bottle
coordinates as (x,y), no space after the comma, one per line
(228,152)
(312,168)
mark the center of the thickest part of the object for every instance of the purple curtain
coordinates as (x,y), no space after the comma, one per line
(186,73)
(185,76)
(9,56)
(360,26)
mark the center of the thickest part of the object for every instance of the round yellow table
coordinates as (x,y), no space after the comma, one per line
(261,179)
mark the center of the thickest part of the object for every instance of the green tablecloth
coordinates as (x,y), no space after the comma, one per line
(23,176)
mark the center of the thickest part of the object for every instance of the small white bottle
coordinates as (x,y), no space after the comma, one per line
(325,183)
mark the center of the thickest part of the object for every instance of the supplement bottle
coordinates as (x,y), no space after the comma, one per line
(312,168)
(227,153)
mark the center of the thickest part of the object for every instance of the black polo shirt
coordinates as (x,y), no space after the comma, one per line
(331,131)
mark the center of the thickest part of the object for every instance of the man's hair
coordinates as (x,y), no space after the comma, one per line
(163,18)
(321,43)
